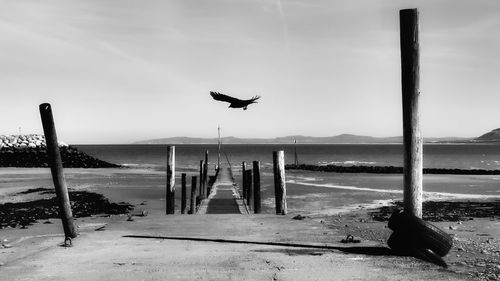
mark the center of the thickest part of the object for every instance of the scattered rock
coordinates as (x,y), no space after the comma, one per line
(83,204)
(299,217)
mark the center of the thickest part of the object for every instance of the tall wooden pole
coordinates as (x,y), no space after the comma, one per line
(256,188)
(193,195)
(170,199)
(243,183)
(279,182)
(183,194)
(410,80)
(248,184)
(205,175)
(56,168)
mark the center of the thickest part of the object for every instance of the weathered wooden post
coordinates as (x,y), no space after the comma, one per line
(193,195)
(256,187)
(279,182)
(183,194)
(248,184)
(170,199)
(243,183)
(201,178)
(205,175)
(56,168)
(410,80)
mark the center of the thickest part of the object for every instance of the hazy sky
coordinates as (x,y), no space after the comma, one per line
(121,71)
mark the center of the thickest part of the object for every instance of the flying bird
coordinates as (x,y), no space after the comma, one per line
(234,102)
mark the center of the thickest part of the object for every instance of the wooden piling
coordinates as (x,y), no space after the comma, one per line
(243,183)
(256,187)
(170,199)
(279,182)
(248,184)
(183,194)
(410,80)
(201,178)
(205,175)
(193,195)
(56,168)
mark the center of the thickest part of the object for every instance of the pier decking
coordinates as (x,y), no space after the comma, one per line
(224,197)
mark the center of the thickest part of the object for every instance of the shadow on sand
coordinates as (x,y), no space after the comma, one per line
(305,249)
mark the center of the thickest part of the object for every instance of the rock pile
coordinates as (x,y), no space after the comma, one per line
(24,141)
(387,170)
(31,151)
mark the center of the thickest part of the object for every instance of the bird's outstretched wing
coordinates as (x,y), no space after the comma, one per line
(221,97)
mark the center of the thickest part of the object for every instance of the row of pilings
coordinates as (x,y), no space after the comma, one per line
(250,187)
(251,184)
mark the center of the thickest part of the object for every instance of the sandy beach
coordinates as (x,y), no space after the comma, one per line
(108,255)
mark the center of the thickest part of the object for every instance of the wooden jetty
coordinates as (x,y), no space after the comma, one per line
(224,197)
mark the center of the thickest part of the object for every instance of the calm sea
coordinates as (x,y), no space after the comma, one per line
(462,156)
(328,193)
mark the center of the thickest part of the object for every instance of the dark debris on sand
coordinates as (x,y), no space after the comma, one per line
(83,204)
(446,210)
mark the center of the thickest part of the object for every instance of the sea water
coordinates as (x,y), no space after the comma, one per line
(322,192)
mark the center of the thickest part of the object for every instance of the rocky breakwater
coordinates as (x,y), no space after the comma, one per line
(31,151)
(387,170)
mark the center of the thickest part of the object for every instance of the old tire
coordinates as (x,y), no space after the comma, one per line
(420,233)
(402,245)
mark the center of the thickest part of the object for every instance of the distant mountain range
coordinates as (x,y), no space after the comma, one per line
(490,137)
(340,139)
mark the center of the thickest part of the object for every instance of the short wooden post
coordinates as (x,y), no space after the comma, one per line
(243,183)
(183,194)
(279,182)
(205,175)
(256,188)
(410,81)
(56,168)
(248,184)
(193,195)
(170,199)
(201,178)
